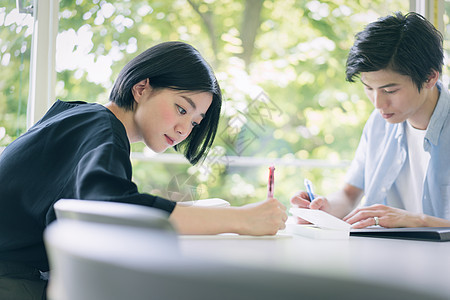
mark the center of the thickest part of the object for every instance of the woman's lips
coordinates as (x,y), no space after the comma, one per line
(169,140)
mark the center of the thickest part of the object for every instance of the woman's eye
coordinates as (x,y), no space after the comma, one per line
(195,124)
(181,110)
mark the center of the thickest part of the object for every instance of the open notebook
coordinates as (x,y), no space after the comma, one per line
(440,234)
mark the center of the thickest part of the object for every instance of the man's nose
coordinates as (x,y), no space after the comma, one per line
(379,100)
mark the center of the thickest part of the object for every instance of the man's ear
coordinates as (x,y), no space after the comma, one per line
(432,79)
(138,89)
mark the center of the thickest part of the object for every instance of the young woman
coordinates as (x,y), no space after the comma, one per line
(402,163)
(166,97)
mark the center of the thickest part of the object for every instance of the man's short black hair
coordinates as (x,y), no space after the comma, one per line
(407,44)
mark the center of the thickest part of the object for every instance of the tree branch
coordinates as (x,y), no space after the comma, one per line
(250,24)
(208,22)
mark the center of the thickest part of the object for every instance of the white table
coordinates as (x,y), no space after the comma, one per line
(415,265)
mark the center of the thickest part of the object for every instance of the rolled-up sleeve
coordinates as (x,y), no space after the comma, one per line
(104,173)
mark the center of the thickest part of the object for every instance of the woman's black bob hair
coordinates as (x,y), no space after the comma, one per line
(178,66)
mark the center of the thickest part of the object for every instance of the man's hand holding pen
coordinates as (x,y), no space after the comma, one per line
(307,199)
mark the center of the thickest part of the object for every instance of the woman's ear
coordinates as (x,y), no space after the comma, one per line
(138,89)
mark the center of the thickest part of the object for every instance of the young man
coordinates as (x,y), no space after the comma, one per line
(402,164)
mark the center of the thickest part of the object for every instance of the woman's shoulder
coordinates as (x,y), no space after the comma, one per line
(61,110)
(77,113)
(79,118)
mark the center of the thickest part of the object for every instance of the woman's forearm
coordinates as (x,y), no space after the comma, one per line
(205,220)
(262,218)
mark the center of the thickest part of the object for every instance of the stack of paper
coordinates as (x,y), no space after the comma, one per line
(324,225)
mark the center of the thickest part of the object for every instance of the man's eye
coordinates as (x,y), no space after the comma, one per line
(181,110)
(390,92)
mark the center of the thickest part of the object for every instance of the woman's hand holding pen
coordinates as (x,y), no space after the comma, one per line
(266,217)
(263,218)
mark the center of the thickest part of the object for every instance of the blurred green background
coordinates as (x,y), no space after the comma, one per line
(280,64)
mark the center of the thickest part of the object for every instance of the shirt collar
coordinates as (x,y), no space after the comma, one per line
(440,114)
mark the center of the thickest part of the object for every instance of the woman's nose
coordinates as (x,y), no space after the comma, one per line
(183,129)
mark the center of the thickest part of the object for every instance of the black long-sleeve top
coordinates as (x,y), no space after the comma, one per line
(76,151)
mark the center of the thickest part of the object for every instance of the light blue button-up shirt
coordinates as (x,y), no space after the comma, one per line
(382,152)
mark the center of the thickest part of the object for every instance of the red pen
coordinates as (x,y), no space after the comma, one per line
(270,184)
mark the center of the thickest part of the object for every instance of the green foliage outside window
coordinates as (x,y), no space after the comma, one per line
(281,66)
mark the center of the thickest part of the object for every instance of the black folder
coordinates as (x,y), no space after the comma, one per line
(439,234)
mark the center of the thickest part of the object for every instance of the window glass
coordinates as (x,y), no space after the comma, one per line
(15,41)
(280,64)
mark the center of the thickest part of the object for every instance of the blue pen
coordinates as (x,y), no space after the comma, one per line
(309,189)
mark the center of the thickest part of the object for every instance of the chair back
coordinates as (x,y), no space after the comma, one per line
(113,213)
(87,258)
